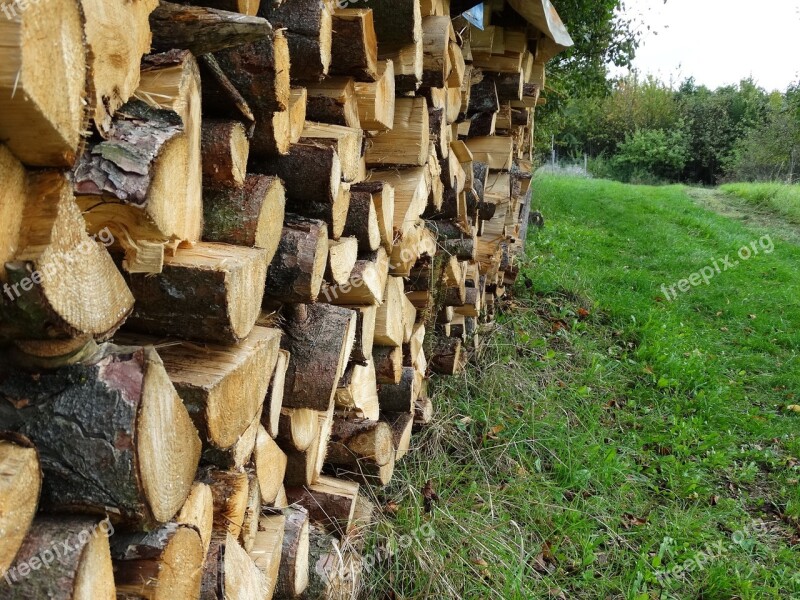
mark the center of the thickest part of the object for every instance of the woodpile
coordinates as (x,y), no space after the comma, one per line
(236,240)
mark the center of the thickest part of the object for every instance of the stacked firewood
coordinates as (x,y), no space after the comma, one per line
(236,240)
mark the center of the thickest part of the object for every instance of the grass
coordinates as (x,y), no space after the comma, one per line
(608,435)
(782,198)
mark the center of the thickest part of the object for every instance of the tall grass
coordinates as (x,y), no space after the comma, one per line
(781,197)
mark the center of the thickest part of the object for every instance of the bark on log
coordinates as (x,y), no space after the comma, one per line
(397,23)
(355,46)
(330,502)
(309,30)
(230,572)
(270,466)
(252,513)
(342,256)
(483,98)
(272,406)
(436,33)
(362,221)
(246,7)
(446,356)
(356,440)
(333,571)
(388,364)
(401,397)
(365,334)
(83,420)
(348,141)
(297,270)
(401,425)
(225,151)
(333,101)
(229,490)
(198,512)
(267,547)
(509,85)
(230,101)
(376,99)
(293,575)
(383,197)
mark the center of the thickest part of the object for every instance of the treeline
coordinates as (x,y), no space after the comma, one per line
(645,131)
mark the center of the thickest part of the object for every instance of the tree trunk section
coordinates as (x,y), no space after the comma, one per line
(297,270)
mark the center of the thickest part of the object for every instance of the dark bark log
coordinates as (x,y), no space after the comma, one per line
(362,221)
(400,397)
(355,440)
(388,364)
(482,124)
(225,151)
(509,85)
(296,272)
(397,22)
(446,356)
(311,173)
(230,102)
(293,574)
(483,98)
(330,502)
(354,51)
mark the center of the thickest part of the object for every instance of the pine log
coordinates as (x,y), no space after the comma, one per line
(301,466)
(411,192)
(62,558)
(204,30)
(252,513)
(211,292)
(270,466)
(407,63)
(236,456)
(383,198)
(229,489)
(333,101)
(61,283)
(13,196)
(342,256)
(388,364)
(347,141)
(389,318)
(355,45)
(482,124)
(362,221)
(320,337)
(90,463)
(297,270)
(401,425)
(246,7)
(298,104)
(299,428)
(436,34)
(309,30)
(495,151)
(423,412)
(357,393)
(198,512)
(272,133)
(397,22)
(229,572)
(225,149)
(368,473)
(294,567)
(445,358)
(407,143)
(43,115)
(401,397)
(483,97)
(334,572)
(360,440)
(272,406)
(248,216)
(231,102)
(376,99)
(20,484)
(365,333)
(267,548)
(366,284)
(330,502)
(509,85)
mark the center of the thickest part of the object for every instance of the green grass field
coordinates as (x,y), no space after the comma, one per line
(613,443)
(781,198)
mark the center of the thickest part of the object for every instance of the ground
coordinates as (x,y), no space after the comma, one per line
(612,442)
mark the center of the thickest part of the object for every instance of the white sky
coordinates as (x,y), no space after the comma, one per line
(720,41)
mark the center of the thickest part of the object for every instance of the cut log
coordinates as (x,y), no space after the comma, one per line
(298,103)
(13,195)
(84,431)
(355,45)
(309,30)
(334,572)
(272,134)
(297,271)
(362,221)
(198,512)
(366,284)
(436,34)
(320,338)
(229,572)
(252,513)
(423,412)
(354,441)
(301,466)
(240,453)
(368,473)
(333,101)
(229,489)
(293,574)
(342,256)
(232,100)
(347,141)
(246,7)
(397,23)
(388,364)
(376,99)
(357,392)
(225,150)
(330,502)
(401,425)
(446,356)
(411,191)
(509,85)
(211,292)
(82,571)
(365,333)
(20,484)
(389,318)
(407,143)
(62,283)
(204,30)
(272,406)
(495,151)
(266,550)
(249,216)
(482,124)
(407,64)
(401,397)
(299,428)
(270,465)
(43,116)
(383,198)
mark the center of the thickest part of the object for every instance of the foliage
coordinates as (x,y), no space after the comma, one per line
(652,153)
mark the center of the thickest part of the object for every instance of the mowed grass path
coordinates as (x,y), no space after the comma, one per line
(613,443)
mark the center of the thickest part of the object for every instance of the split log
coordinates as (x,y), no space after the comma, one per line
(20,484)
(423,412)
(117,35)
(198,512)
(204,30)
(301,466)
(436,34)
(225,150)
(43,117)
(355,45)
(164,563)
(229,490)
(211,292)
(270,466)
(248,216)
(62,558)
(354,441)
(298,268)
(495,151)
(319,337)
(309,31)
(376,99)
(357,392)
(232,100)
(62,283)
(366,284)
(239,454)
(229,572)
(482,124)
(330,502)
(13,196)
(368,473)
(333,101)
(388,364)
(509,85)
(411,192)
(401,397)
(298,104)
(407,143)
(246,7)
(397,22)
(348,142)
(383,198)
(267,548)
(272,134)
(299,428)
(401,425)
(389,318)
(272,406)
(342,256)
(294,567)
(407,63)
(252,513)
(334,572)
(362,221)
(82,420)
(483,98)
(446,356)
(365,333)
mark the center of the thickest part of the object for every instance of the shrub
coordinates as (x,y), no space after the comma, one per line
(651,155)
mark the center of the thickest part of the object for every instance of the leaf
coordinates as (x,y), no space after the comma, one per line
(663,383)
(794,408)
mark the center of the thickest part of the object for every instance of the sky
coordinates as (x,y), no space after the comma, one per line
(719,42)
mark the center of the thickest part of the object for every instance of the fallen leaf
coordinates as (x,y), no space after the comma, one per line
(794,408)
(752,316)
(430,496)
(391,507)
(629,520)
(583,313)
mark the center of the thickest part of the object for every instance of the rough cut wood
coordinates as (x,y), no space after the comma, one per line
(388,364)
(164,563)
(83,432)
(366,284)
(83,572)
(347,141)
(272,406)
(483,97)
(211,292)
(362,221)
(248,216)
(423,412)
(355,46)
(298,428)
(333,100)
(20,484)
(297,270)
(267,548)
(397,22)
(357,393)
(408,66)
(13,196)
(376,99)
(330,502)
(407,143)
(335,572)
(204,30)
(436,34)
(229,490)
(61,283)
(252,513)
(43,115)
(229,572)
(365,333)
(320,337)
(298,102)
(198,512)
(401,425)
(225,150)
(294,567)
(383,197)
(270,466)
(446,356)
(401,397)
(360,440)
(389,318)
(495,151)
(342,256)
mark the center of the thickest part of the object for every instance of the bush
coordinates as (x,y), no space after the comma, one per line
(651,156)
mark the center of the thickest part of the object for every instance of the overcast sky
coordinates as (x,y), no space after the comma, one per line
(720,41)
